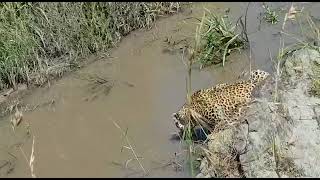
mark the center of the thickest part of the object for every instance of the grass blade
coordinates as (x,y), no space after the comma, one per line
(226,48)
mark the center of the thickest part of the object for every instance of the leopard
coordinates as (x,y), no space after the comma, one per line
(225,102)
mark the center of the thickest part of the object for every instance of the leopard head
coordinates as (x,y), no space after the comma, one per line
(180,119)
(258,76)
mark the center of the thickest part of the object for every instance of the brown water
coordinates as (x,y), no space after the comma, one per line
(76,136)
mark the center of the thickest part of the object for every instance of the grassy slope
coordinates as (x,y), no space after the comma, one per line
(40,40)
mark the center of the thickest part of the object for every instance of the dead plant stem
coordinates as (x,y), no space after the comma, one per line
(131,148)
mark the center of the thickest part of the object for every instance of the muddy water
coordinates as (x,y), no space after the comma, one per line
(76,135)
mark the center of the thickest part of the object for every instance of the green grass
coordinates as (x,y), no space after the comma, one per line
(187,138)
(270,16)
(218,38)
(43,40)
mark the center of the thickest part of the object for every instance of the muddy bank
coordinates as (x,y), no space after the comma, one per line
(282,139)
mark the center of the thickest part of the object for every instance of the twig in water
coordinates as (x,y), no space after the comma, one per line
(130,147)
(32,157)
(31,161)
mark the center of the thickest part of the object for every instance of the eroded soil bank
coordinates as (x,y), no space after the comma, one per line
(138,87)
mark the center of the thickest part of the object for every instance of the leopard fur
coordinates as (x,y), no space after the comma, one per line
(223,102)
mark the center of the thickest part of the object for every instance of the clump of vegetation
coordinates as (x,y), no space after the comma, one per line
(287,166)
(315,89)
(218,40)
(41,40)
(270,16)
(315,85)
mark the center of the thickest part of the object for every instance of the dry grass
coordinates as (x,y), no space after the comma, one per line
(31,161)
(43,40)
(315,87)
(284,163)
(130,147)
(15,121)
(287,166)
(222,156)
